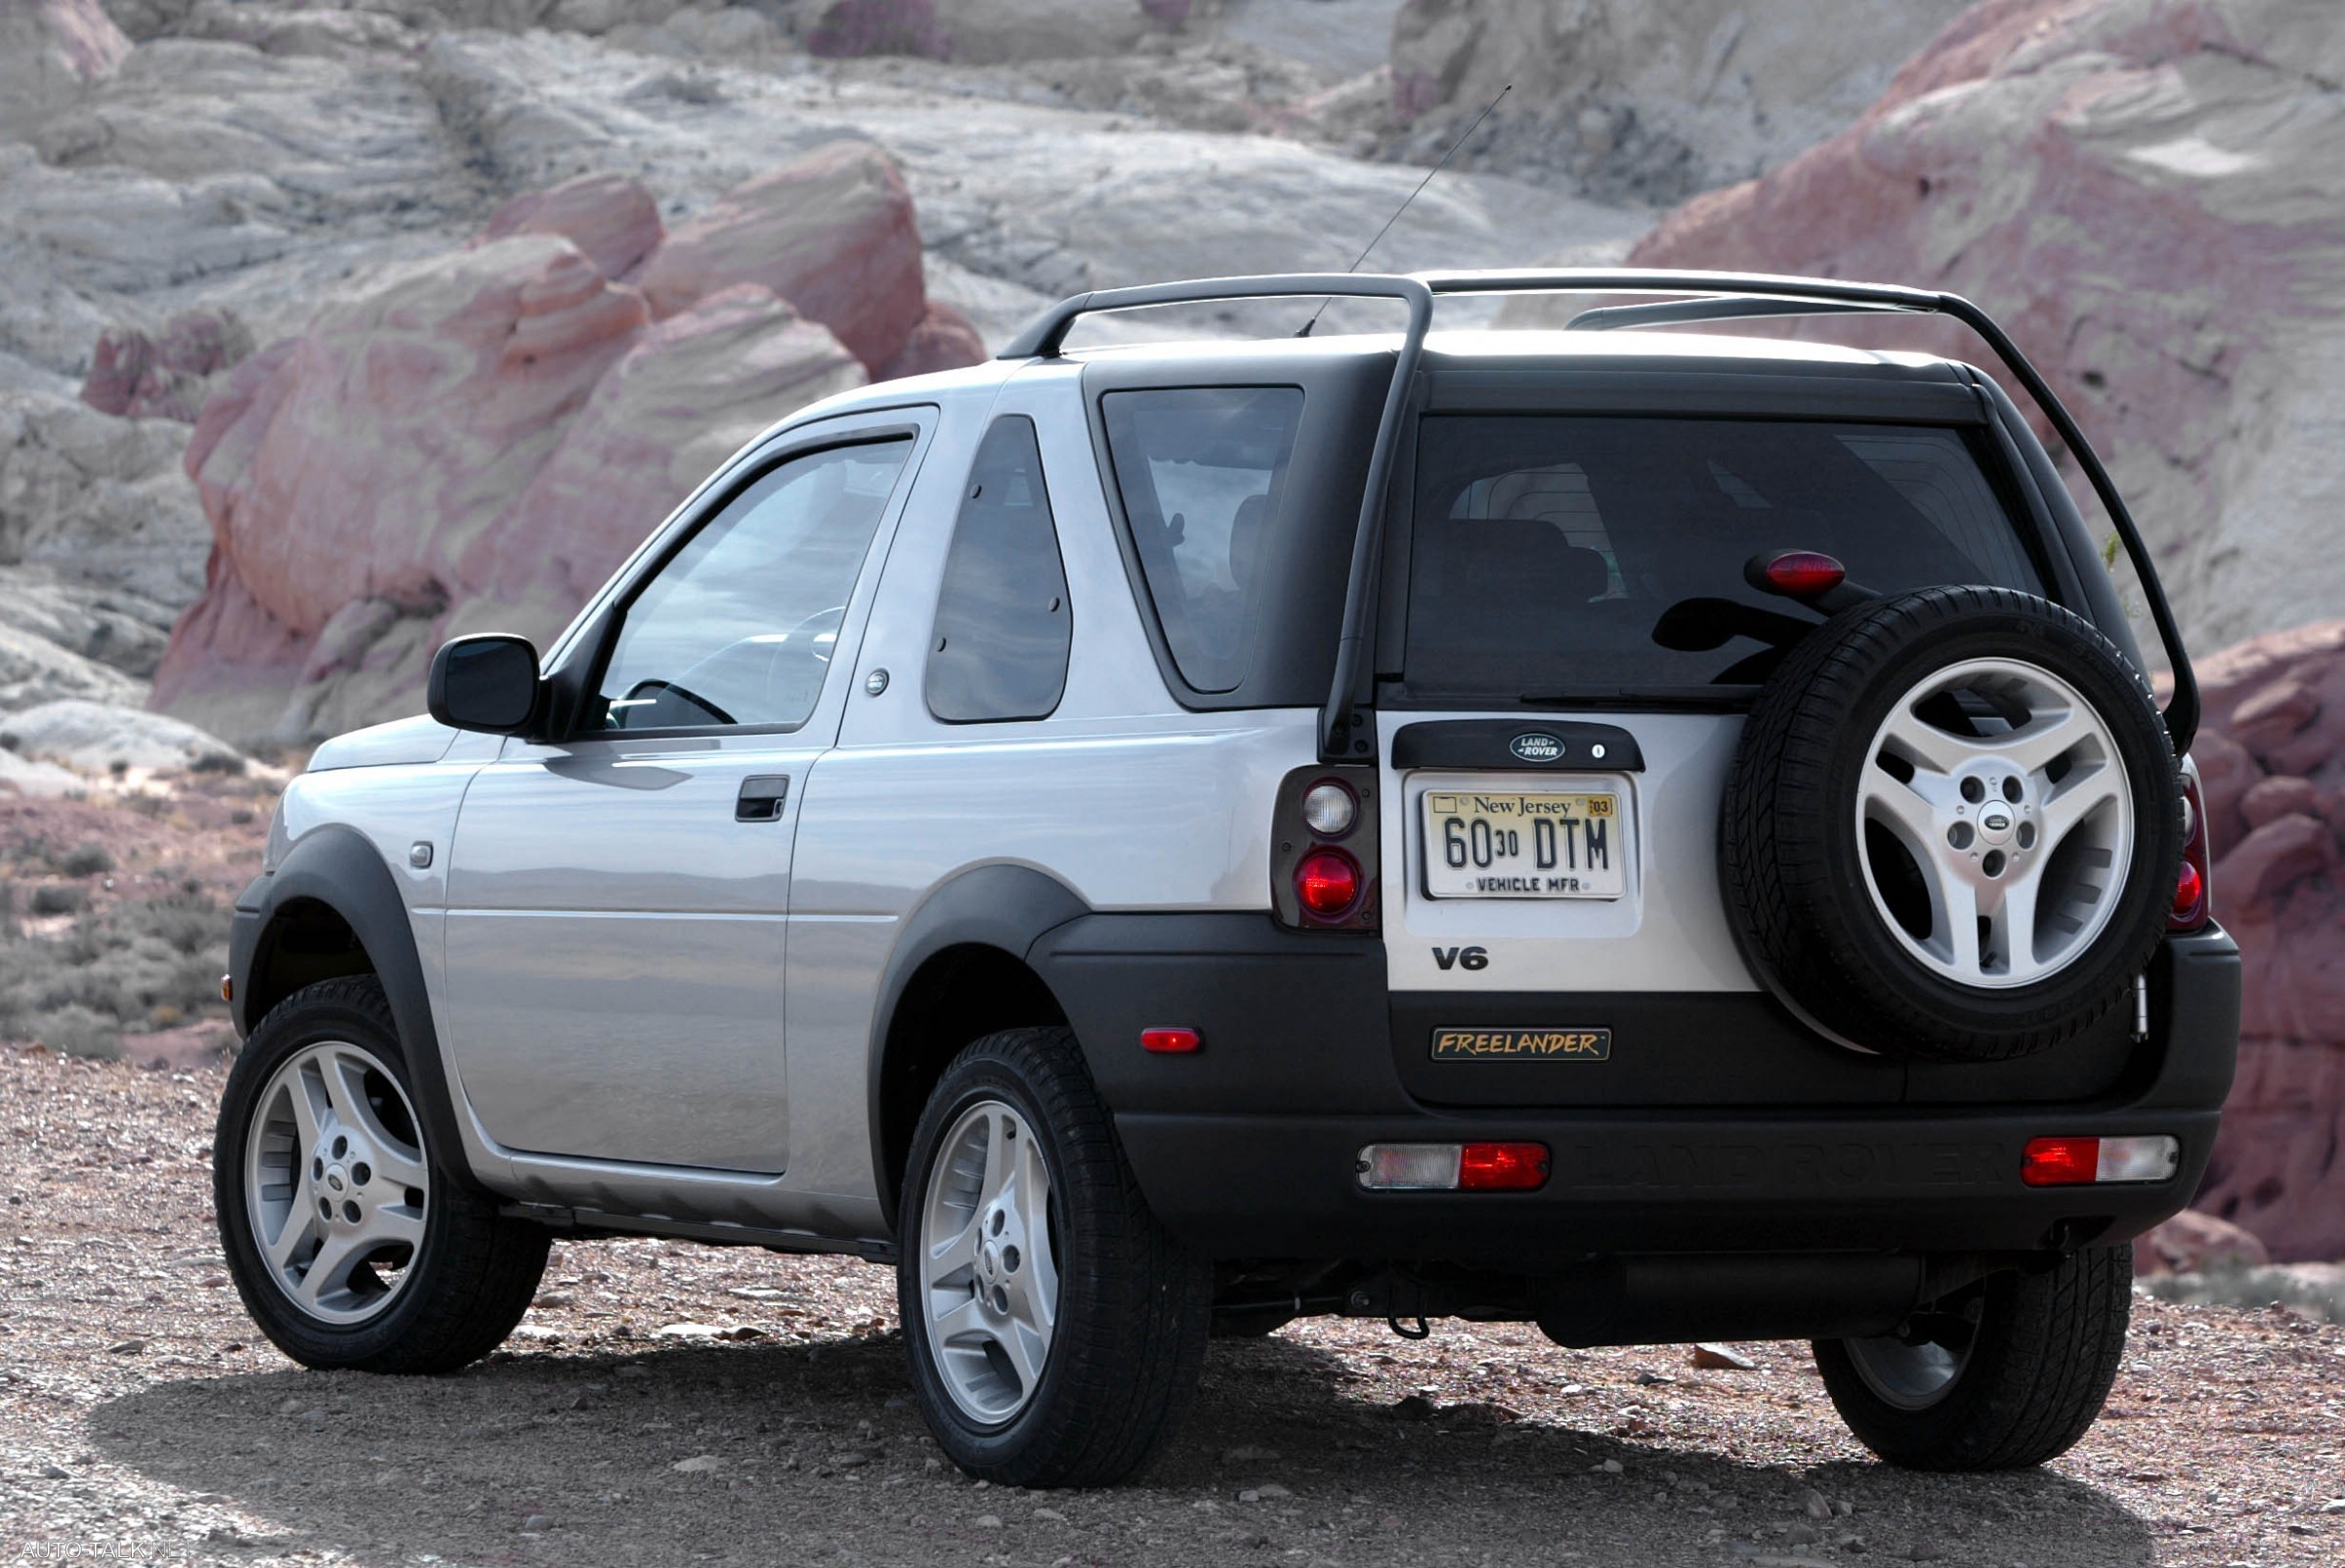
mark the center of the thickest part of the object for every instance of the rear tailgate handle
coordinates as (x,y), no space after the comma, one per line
(760,800)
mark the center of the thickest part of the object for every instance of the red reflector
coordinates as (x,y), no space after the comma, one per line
(2060,1162)
(1328,883)
(2190,890)
(1502,1167)
(1171,1041)
(1802,574)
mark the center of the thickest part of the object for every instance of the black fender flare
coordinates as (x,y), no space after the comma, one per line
(338,867)
(1009,907)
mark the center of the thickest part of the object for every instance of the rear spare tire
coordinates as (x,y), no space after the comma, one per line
(1952,826)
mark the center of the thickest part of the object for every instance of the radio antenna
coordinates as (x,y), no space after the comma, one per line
(1463,138)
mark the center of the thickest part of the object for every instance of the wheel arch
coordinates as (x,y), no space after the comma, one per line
(959,970)
(333,908)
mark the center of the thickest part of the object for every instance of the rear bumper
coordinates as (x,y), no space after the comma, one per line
(1248,1149)
(1246,1186)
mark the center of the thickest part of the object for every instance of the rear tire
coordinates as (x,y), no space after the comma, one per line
(2008,1373)
(1055,1329)
(387,1257)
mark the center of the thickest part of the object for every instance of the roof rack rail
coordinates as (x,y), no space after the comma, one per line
(1717,296)
(1677,312)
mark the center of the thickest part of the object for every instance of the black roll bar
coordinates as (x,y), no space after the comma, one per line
(1725,296)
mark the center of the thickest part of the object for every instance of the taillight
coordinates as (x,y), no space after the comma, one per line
(1502,1167)
(2194,884)
(1327,883)
(2098,1162)
(1323,849)
(1453,1167)
(1330,809)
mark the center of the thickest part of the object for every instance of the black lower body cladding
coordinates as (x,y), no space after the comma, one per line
(1249,1148)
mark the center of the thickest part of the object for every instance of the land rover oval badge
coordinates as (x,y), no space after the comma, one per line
(1537,747)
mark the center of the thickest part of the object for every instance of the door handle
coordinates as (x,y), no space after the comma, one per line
(760,800)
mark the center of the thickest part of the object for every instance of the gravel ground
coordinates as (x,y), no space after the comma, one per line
(670,1404)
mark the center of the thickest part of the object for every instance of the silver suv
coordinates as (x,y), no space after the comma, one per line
(1663,835)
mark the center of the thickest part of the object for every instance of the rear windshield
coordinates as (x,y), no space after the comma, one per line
(1203,473)
(1558,557)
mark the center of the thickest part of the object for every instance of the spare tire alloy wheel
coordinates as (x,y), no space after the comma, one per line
(989,1270)
(2020,837)
(1952,826)
(336,1184)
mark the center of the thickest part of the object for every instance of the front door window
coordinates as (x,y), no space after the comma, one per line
(736,630)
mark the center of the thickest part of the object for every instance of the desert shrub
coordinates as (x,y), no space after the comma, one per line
(186,923)
(227,762)
(90,860)
(138,964)
(59,898)
(79,1032)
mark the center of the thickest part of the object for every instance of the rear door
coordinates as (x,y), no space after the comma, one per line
(1577,645)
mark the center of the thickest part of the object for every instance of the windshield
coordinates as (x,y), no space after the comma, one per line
(1562,556)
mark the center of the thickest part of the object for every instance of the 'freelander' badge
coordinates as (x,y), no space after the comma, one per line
(1522,1044)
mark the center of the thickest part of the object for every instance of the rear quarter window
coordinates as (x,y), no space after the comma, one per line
(1203,475)
(1559,556)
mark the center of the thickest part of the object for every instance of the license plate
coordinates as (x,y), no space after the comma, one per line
(1486,845)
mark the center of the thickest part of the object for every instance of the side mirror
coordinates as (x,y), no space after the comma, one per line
(487,683)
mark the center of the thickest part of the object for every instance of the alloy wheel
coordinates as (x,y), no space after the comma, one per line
(1995,822)
(336,1184)
(989,1265)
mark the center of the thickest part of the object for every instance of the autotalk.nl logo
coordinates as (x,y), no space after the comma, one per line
(1537,747)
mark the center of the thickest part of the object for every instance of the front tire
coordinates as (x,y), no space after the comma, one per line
(355,1243)
(1055,1329)
(2007,1374)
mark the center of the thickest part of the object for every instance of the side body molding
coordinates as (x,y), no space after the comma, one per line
(1005,908)
(339,868)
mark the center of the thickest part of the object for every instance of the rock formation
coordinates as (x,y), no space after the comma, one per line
(612,218)
(2272,760)
(479,440)
(95,736)
(279,163)
(2196,1242)
(986,31)
(167,374)
(51,51)
(2147,192)
(1661,97)
(832,232)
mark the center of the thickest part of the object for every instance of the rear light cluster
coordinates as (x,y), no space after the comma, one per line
(1453,1167)
(2096,1161)
(1323,866)
(2194,886)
